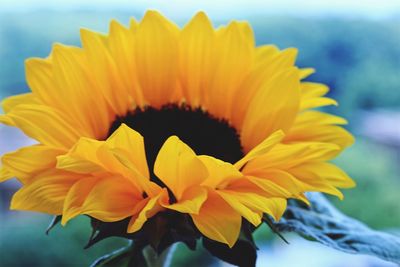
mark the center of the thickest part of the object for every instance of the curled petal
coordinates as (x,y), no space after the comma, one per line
(217,220)
(178,166)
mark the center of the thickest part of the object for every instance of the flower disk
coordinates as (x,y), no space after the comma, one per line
(153,121)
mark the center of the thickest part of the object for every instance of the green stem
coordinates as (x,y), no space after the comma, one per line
(163,260)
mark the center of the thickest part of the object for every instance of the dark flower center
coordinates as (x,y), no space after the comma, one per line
(205,134)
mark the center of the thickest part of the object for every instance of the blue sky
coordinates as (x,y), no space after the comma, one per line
(185,8)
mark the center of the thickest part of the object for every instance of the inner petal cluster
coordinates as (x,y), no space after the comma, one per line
(205,134)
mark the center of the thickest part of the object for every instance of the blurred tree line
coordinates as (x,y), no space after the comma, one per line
(358,59)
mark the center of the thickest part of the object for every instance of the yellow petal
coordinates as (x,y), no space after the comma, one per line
(10,102)
(190,202)
(111,199)
(128,148)
(321,133)
(276,183)
(45,124)
(40,78)
(317,102)
(107,76)
(45,193)
(268,62)
(252,82)
(276,164)
(286,156)
(133,25)
(273,108)
(262,187)
(305,72)
(5,174)
(270,188)
(136,177)
(78,86)
(270,191)
(28,161)
(265,53)
(156,58)
(261,148)
(253,216)
(313,90)
(247,33)
(317,117)
(253,202)
(218,221)
(323,171)
(244,185)
(231,61)
(287,57)
(76,196)
(297,181)
(6,120)
(324,187)
(151,207)
(312,96)
(324,129)
(130,143)
(82,158)
(178,166)
(220,173)
(90,156)
(303,198)
(121,43)
(196,42)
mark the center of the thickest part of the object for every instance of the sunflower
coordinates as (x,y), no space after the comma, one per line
(153,120)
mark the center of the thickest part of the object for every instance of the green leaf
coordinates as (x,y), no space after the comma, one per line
(117,258)
(135,256)
(102,230)
(129,256)
(323,223)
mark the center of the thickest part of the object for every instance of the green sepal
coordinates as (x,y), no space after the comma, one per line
(274,229)
(243,253)
(54,221)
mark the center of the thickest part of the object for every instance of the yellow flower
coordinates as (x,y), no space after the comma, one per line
(209,190)
(153,117)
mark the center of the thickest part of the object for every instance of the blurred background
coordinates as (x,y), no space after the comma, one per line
(355,48)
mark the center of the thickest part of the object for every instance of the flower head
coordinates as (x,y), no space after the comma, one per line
(153,119)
